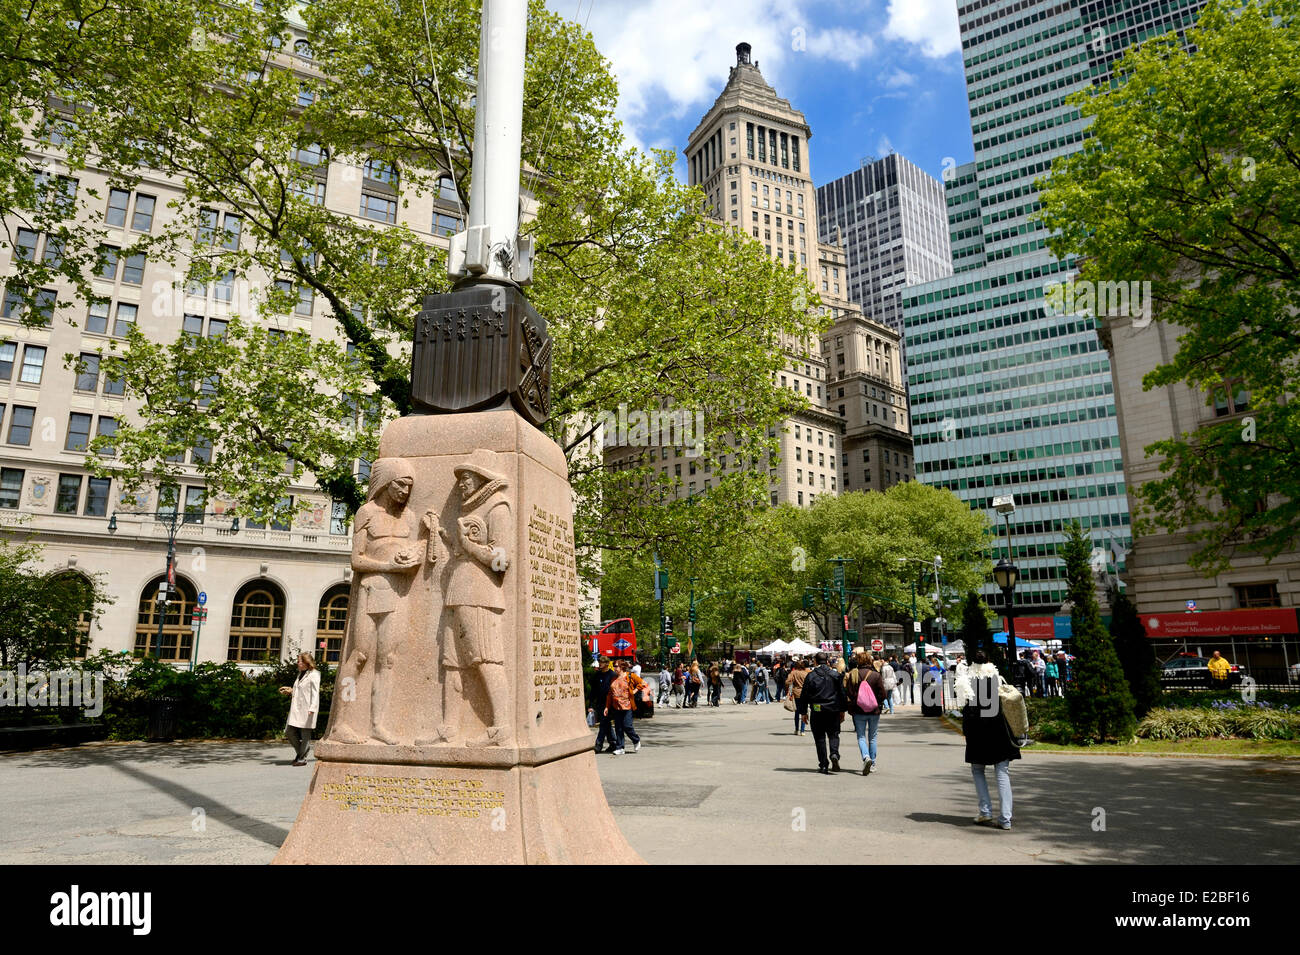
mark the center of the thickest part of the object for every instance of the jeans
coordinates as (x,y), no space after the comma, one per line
(742,692)
(826,725)
(887,702)
(760,689)
(300,740)
(865,725)
(605,734)
(1003,771)
(623,724)
(715,695)
(800,717)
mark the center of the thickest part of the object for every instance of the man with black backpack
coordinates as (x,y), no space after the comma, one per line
(824,696)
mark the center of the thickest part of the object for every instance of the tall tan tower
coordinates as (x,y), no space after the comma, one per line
(750,156)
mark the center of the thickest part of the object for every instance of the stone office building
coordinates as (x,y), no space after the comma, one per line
(268,588)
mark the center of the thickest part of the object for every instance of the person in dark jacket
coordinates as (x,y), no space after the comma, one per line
(739,681)
(823,694)
(988,738)
(604,677)
(865,722)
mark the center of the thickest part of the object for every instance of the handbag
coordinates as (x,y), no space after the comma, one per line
(788,703)
(1012,704)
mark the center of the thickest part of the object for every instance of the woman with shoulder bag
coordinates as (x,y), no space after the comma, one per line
(303,709)
(866,718)
(988,737)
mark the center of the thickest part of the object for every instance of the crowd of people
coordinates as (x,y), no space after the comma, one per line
(822,691)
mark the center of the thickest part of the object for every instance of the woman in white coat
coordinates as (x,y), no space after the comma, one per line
(303,708)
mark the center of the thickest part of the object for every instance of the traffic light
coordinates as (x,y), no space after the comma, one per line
(749,605)
(668,624)
(826,593)
(691,613)
(807,600)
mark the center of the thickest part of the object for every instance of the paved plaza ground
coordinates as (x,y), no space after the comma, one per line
(727,785)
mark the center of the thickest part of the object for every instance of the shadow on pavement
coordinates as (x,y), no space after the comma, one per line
(261,831)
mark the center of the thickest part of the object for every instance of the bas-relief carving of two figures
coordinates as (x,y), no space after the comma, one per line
(389,544)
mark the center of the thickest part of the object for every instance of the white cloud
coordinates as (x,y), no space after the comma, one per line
(883,146)
(930,24)
(897,79)
(672,57)
(844,46)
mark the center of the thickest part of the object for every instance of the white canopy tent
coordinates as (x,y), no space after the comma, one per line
(800,646)
(776,646)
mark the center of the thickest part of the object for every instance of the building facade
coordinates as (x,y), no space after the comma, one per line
(266,588)
(890,218)
(865,388)
(1157,572)
(1007,399)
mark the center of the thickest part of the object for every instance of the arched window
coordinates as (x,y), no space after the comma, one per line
(302,48)
(71,589)
(257,623)
(177,638)
(332,622)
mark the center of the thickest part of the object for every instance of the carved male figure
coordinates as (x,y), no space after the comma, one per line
(385,553)
(476,598)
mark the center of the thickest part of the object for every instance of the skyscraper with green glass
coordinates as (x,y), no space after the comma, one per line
(1006,398)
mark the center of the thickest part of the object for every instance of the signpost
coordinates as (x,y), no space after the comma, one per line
(197,618)
(877,646)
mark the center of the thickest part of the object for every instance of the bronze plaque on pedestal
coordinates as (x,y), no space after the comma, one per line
(476,345)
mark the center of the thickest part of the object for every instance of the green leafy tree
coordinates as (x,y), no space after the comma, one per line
(975,631)
(1191,179)
(1099,700)
(1136,654)
(649,302)
(41,612)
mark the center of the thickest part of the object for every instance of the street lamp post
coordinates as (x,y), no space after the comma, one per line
(172,520)
(1005,574)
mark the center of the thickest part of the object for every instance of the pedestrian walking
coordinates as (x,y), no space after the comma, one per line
(823,691)
(888,682)
(740,681)
(1053,677)
(907,681)
(778,679)
(605,732)
(679,683)
(759,682)
(715,686)
(694,680)
(303,708)
(798,674)
(988,738)
(665,684)
(620,706)
(865,708)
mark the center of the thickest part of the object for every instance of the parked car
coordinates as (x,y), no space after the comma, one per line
(1194,671)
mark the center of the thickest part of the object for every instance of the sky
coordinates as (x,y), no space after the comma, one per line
(871,76)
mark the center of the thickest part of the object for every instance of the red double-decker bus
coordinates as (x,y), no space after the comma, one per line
(615,638)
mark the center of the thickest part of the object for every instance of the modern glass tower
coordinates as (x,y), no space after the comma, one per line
(1006,399)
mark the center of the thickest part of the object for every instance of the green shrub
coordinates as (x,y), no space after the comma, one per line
(1258,722)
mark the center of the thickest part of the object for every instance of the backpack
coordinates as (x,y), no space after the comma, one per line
(888,678)
(866,697)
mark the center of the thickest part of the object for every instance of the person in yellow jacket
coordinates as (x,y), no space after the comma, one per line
(1219,670)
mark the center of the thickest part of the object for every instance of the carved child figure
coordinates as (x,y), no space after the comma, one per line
(476,599)
(386,551)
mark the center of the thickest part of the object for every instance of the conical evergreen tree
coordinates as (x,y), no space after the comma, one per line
(1136,655)
(1100,702)
(975,632)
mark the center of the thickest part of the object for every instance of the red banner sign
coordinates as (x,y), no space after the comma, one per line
(1033,628)
(1217,623)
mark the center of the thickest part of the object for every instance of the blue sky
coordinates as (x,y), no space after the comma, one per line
(870,75)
